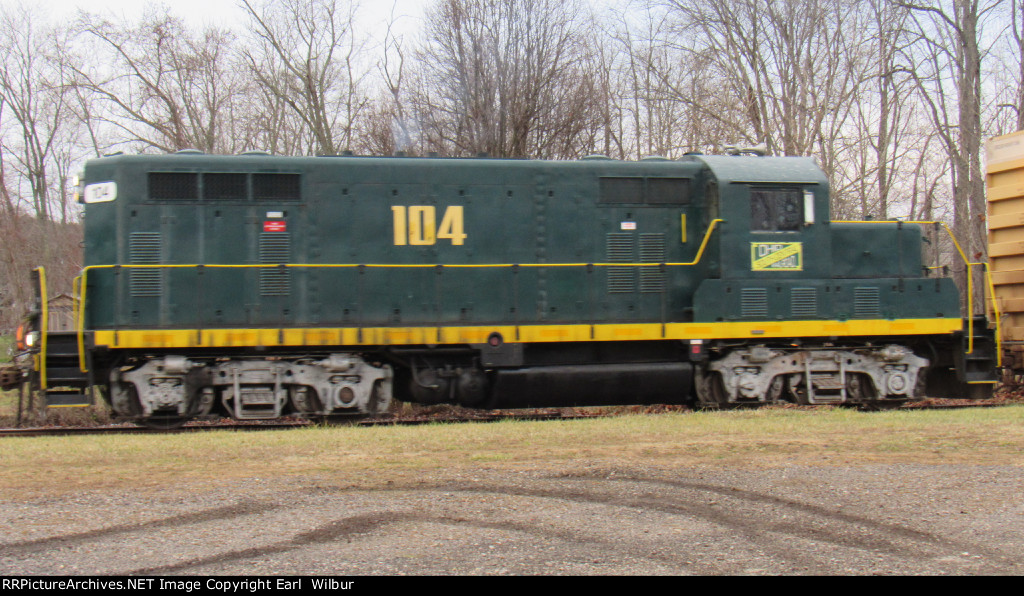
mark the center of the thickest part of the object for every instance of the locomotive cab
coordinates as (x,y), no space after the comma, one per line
(865,323)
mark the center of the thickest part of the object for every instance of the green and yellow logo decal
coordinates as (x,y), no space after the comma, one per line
(776,256)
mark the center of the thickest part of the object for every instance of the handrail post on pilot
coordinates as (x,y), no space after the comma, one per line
(44,324)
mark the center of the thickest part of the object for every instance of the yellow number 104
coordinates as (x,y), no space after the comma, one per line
(416,225)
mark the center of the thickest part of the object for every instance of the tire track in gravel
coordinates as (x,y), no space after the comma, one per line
(719,518)
(882,536)
(822,525)
(347,528)
(208,515)
(811,522)
(751,529)
(829,515)
(340,529)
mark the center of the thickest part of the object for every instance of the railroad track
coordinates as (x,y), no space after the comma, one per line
(246,426)
(394,420)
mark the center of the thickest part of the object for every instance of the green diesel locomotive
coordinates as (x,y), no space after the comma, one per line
(260,285)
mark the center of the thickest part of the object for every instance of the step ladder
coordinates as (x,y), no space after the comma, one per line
(65,383)
(976,364)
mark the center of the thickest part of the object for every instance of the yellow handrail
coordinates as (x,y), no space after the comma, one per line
(997,315)
(44,325)
(77,297)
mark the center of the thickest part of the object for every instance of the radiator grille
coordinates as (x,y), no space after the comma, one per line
(173,186)
(865,303)
(652,250)
(275,247)
(224,187)
(804,303)
(754,303)
(621,248)
(276,187)
(144,249)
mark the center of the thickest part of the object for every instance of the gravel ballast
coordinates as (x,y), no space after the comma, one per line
(584,519)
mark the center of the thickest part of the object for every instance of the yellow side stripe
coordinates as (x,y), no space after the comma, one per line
(373,336)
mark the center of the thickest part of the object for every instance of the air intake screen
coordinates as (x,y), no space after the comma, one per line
(754,303)
(804,303)
(275,247)
(652,250)
(144,249)
(621,248)
(865,303)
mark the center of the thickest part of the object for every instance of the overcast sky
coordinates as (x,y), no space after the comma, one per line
(374,13)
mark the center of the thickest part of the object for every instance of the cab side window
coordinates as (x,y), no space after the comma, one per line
(776,209)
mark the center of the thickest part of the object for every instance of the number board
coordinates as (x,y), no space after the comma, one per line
(776,256)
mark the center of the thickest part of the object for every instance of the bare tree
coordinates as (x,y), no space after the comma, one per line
(1006,79)
(674,68)
(306,55)
(785,65)
(1017,32)
(874,151)
(30,242)
(39,146)
(389,127)
(892,92)
(946,61)
(665,92)
(167,87)
(8,207)
(36,94)
(510,78)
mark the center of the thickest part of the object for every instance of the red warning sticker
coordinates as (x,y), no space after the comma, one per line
(275,226)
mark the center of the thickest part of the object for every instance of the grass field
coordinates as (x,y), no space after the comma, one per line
(379,456)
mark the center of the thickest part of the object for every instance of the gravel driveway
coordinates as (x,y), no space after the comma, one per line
(592,519)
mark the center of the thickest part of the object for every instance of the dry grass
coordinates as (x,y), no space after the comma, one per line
(38,416)
(374,456)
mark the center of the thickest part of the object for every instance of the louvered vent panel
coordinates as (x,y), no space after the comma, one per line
(804,303)
(275,247)
(621,248)
(865,303)
(652,250)
(754,303)
(144,249)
